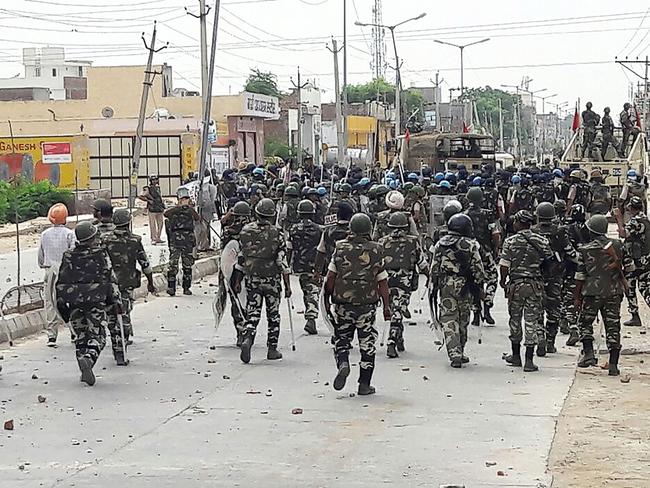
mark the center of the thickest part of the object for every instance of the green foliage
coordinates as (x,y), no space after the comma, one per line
(28,200)
(487,100)
(413,100)
(378,89)
(265,83)
(273,147)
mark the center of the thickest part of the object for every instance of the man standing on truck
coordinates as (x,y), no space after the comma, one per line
(590,120)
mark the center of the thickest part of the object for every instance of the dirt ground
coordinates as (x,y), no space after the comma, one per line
(31,240)
(603,434)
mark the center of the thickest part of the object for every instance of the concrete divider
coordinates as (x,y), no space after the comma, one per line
(21,325)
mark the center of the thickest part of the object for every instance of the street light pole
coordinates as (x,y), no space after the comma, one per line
(462,47)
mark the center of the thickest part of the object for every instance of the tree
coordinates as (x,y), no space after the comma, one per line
(487,102)
(265,83)
(378,89)
(274,147)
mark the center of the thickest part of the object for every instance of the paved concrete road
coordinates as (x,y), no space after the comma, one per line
(185,415)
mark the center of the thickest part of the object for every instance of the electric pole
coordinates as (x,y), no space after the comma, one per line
(299,88)
(139,132)
(516,132)
(345,79)
(340,132)
(501,126)
(438,95)
(642,95)
(203,13)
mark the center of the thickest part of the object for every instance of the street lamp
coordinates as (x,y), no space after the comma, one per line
(544,121)
(462,50)
(398,80)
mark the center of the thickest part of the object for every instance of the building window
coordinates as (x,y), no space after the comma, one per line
(81,72)
(37,72)
(54,72)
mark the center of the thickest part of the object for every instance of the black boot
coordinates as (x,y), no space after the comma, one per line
(476,320)
(541,348)
(240,337)
(246,345)
(342,375)
(550,344)
(564,328)
(529,366)
(488,317)
(273,353)
(400,343)
(457,363)
(391,351)
(365,375)
(119,358)
(573,339)
(171,286)
(635,321)
(187,291)
(613,362)
(310,327)
(514,359)
(588,358)
(86,367)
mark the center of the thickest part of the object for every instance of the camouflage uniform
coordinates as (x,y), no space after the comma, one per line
(523,254)
(303,241)
(263,261)
(484,230)
(456,265)
(181,239)
(602,290)
(637,245)
(289,213)
(124,249)
(85,288)
(229,232)
(104,226)
(331,235)
(578,234)
(381,228)
(402,256)
(358,265)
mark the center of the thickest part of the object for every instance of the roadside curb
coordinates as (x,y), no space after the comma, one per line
(22,325)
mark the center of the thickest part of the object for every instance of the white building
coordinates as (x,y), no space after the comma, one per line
(310,121)
(47,69)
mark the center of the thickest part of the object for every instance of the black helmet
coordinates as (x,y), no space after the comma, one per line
(345,188)
(242,209)
(344,212)
(560,207)
(475,195)
(635,203)
(452,207)
(461,225)
(103,207)
(398,220)
(265,208)
(121,217)
(381,190)
(85,231)
(306,207)
(524,217)
(545,211)
(360,224)
(597,225)
(577,213)
(291,191)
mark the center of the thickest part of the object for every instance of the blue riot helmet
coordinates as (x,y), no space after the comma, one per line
(322,191)
(439,177)
(445,184)
(477,181)
(413,177)
(557,172)
(516,179)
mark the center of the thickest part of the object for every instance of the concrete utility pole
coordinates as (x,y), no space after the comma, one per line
(146,85)
(340,132)
(516,131)
(462,59)
(643,95)
(299,88)
(345,79)
(438,94)
(203,14)
(501,126)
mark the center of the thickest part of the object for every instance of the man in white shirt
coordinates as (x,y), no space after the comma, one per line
(54,242)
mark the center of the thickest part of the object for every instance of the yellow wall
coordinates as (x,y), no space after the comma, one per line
(25,157)
(359,128)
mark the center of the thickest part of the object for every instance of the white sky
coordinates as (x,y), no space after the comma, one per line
(279,35)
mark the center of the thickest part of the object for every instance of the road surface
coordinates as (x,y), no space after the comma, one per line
(188,413)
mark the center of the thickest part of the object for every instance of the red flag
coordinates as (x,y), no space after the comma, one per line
(576,120)
(638,119)
(407,136)
(465,128)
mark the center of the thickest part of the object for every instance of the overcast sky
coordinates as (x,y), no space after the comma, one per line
(566,47)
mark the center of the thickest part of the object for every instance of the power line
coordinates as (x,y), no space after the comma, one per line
(629,41)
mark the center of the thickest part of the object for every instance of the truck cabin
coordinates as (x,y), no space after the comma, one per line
(445,152)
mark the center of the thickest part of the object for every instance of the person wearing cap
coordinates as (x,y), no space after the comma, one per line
(262,264)
(522,258)
(302,242)
(180,221)
(126,252)
(600,286)
(356,282)
(54,242)
(632,188)
(342,195)
(579,189)
(155,208)
(403,257)
(395,202)
(85,289)
(207,208)
(601,195)
(331,235)
(103,214)
(636,233)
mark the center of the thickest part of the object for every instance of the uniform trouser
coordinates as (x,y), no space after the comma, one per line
(362,319)
(155,225)
(187,260)
(552,308)
(310,294)
(588,142)
(525,301)
(260,289)
(114,325)
(203,232)
(640,280)
(568,310)
(607,140)
(52,320)
(237,316)
(89,328)
(454,317)
(491,278)
(630,294)
(610,310)
(399,297)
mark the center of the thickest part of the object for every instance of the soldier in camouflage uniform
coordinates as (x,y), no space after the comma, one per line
(319,207)
(402,258)
(103,214)
(303,240)
(289,209)
(563,253)
(522,258)
(180,222)
(600,285)
(331,235)
(85,288)
(637,243)
(125,249)
(451,208)
(395,203)
(356,281)
(342,195)
(488,235)
(456,274)
(378,204)
(262,263)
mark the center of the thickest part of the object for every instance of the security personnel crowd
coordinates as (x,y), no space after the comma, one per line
(356,242)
